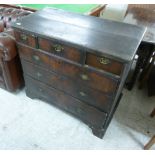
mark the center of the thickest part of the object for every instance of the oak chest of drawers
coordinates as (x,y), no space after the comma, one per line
(76,62)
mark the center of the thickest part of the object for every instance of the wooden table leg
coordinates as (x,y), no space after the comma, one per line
(146,73)
(150,143)
(144,52)
(140,59)
(147,56)
(153,113)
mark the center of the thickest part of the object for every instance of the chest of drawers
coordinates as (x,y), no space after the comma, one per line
(78,63)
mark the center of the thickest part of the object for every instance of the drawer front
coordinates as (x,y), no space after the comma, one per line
(82,110)
(61,50)
(104,63)
(91,96)
(25,38)
(34,56)
(89,77)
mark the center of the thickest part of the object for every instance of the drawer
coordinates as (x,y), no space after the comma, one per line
(103,82)
(62,50)
(85,112)
(91,96)
(26,38)
(34,56)
(104,63)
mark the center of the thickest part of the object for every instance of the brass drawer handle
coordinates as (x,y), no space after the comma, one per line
(23,37)
(104,61)
(84,77)
(82,93)
(58,48)
(35,58)
(39,75)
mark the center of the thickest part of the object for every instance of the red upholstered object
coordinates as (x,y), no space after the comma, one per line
(10,68)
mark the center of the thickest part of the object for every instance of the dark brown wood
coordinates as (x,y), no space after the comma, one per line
(146,73)
(11,77)
(144,54)
(61,50)
(87,76)
(98,99)
(87,113)
(104,63)
(11,73)
(25,38)
(74,80)
(86,32)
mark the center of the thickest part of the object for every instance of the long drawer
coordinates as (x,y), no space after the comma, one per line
(63,83)
(85,112)
(85,75)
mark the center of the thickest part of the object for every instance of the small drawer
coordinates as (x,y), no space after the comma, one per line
(61,50)
(26,38)
(104,63)
(32,55)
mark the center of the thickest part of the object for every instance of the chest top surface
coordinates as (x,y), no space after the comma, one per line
(114,39)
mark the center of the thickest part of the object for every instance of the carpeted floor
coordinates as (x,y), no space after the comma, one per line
(33,124)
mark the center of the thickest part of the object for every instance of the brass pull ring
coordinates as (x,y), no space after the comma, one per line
(23,37)
(35,57)
(82,93)
(104,61)
(84,77)
(58,48)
